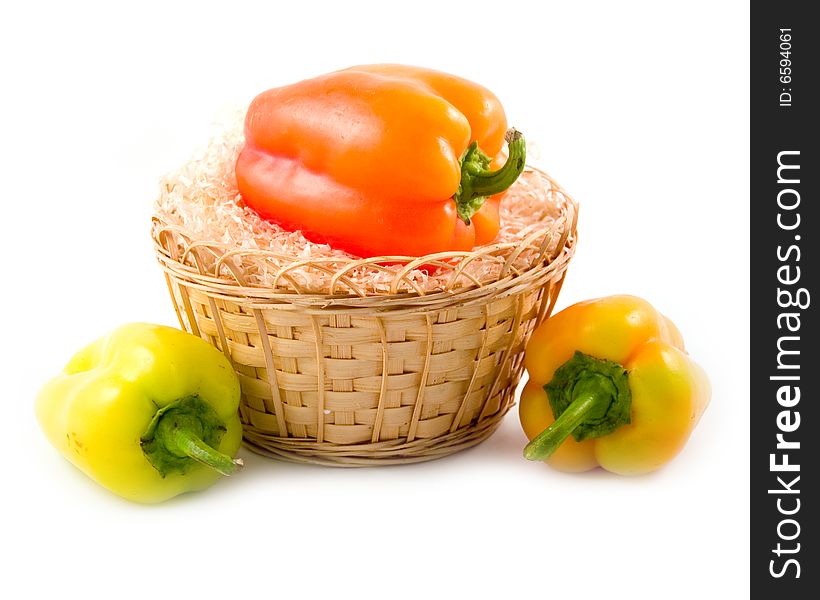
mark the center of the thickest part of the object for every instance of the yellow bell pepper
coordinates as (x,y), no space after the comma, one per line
(148,412)
(613,374)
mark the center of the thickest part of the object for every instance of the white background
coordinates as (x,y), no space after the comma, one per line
(640,110)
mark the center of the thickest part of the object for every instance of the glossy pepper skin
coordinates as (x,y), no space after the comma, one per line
(132,408)
(379,160)
(625,388)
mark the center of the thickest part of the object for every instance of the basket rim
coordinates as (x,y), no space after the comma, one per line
(220,268)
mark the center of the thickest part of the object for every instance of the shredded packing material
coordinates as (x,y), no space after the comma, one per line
(200,203)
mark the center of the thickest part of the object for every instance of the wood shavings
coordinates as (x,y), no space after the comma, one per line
(200,204)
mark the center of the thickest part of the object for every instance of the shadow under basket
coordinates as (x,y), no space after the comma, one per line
(350,376)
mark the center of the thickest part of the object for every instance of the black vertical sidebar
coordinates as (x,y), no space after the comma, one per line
(785,363)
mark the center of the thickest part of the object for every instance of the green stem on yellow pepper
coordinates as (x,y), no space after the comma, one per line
(185,431)
(590,398)
(179,437)
(478,182)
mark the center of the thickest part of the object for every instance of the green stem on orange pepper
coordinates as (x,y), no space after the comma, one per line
(590,398)
(478,182)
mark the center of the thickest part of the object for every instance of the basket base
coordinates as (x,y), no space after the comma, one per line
(393,452)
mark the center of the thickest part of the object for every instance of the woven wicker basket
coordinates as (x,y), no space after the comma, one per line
(349,377)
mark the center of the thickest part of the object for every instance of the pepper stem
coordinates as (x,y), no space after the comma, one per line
(478,182)
(590,398)
(545,443)
(180,440)
(184,433)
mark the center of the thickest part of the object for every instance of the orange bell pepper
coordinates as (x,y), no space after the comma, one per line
(379,160)
(613,373)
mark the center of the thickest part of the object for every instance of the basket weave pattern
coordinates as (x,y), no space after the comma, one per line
(347,378)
